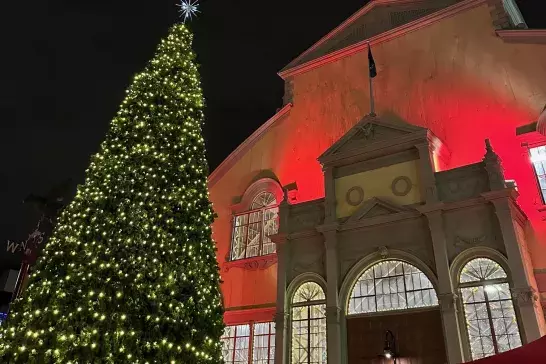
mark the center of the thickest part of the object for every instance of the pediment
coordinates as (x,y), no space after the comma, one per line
(369,130)
(378,16)
(376,207)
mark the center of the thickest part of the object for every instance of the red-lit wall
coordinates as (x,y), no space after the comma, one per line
(455,77)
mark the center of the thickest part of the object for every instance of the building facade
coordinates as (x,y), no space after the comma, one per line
(337,226)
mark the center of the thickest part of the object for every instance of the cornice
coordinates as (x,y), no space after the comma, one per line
(226,165)
(380,38)
(528,36)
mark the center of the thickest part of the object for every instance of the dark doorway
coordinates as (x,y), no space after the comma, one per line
(419,338)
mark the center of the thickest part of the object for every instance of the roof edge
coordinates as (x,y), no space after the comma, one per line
(529,36)
(381,38)
(249,142)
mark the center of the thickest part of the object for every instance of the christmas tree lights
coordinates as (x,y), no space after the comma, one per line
(130,274)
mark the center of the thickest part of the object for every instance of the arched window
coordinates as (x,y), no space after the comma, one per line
(252,229)
(391,285)
(309,325)
(490,318)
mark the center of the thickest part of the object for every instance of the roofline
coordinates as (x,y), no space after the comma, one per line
(363,10)
(226,165)
(531,36)
(380,38)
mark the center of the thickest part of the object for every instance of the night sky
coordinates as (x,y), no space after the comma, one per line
(65,66)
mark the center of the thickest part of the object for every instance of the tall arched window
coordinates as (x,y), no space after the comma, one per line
(309,325)
(391,285)
(252,229)
(490,318)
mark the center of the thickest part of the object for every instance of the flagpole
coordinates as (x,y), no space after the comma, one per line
(370,78)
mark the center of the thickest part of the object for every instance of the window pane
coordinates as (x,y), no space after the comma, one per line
(491,321)
(235,344)
(263,347)
(252,230)
(309,291)
(309,335)
(391,285)
(481,269)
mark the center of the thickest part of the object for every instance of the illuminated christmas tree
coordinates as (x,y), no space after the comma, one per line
(130,274)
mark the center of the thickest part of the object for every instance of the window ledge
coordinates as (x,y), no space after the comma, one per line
(254,263)
(529,36)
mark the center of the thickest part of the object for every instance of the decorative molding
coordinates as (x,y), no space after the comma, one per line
(368,130)
(448,302)
(254,263)
(375,40)
(464,242)
(375,207)
(383,252)
(359,196)
(230,161)
(395,188)
(529,36)
(524,296)
(266,184)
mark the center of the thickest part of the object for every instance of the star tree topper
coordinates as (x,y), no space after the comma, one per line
(188,9)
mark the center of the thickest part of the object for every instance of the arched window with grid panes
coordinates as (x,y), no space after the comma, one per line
(491,322)
(391,285)
(308,316)
(252,229)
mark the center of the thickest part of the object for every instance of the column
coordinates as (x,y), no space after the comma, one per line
(333,310)
(282,312)
(523,294)
(329,195)
(426,166)
(446,295)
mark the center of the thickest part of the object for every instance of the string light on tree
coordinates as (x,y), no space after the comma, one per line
(130,273)
(188,9)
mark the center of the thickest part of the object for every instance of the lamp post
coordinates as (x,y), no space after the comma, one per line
(389,351)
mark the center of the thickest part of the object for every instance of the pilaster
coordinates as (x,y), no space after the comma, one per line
(329,195)
(333,309)
(446,295)
(525,298)
(281,315)
(428,180)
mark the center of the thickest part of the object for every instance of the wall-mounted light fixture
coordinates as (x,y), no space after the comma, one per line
(389,351)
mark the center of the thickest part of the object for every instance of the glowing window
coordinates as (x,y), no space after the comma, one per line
(309,325)
(236,344)
(391,285)
(538,158)
(263,347)
(252,229)
(490,318)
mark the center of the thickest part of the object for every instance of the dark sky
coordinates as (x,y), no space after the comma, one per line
(65,65)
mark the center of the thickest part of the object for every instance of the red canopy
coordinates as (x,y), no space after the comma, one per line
(534,352)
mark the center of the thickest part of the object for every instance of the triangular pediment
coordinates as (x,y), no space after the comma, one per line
(378,16)
(370,130)
(375,207)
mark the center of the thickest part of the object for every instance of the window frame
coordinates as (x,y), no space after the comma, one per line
(405,290)
(250,349)
(308,304)
(483,283)
(541,193)
(262,211)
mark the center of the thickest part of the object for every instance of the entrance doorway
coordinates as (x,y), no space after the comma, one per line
(419,337)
